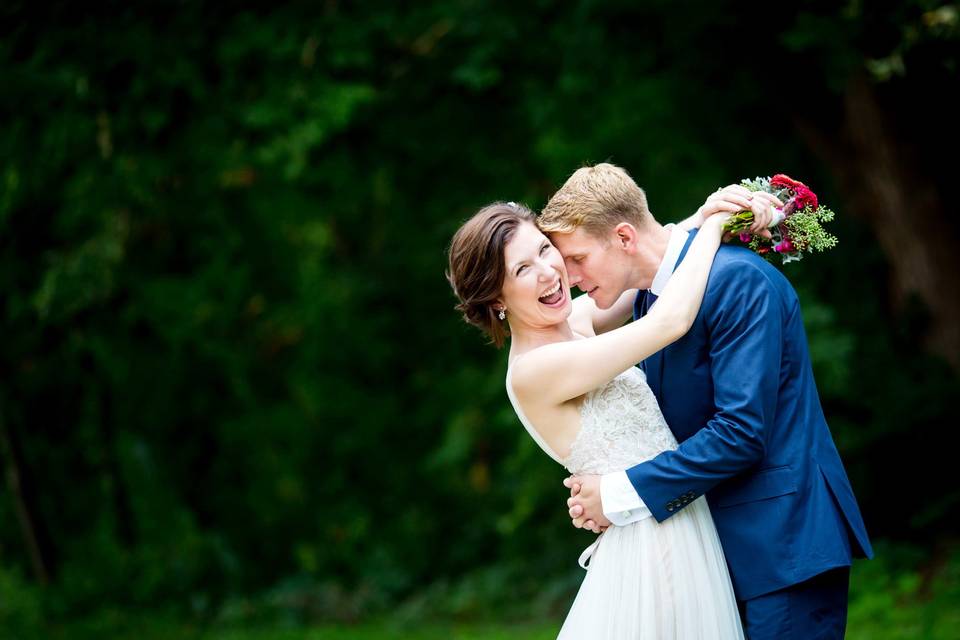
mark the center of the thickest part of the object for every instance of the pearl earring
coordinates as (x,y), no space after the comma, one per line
(502,315)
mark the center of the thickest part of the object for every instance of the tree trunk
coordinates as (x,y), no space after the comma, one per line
(35,535)
(902,206)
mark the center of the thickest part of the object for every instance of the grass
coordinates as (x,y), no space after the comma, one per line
(153,629)
(904,593)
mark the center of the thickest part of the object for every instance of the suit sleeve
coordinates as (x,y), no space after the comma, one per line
(744,324)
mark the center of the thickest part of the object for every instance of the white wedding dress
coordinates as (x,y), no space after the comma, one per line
(647,579)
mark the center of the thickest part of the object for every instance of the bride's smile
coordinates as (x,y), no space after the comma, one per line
(555,297)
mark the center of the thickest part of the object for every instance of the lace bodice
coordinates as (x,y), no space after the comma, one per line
(620,426)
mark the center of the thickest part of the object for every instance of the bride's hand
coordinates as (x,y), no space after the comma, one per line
(762,205)
(729,199)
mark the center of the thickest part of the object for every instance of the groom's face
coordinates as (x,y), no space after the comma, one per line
(595,266)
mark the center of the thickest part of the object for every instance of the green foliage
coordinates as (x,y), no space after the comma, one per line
(895,597)
(806,229)
(21,607)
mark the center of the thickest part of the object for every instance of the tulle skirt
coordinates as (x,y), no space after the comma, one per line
(658,581)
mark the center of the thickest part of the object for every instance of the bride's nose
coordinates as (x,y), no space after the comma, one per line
(544,270)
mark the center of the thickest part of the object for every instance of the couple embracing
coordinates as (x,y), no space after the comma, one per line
(722,506)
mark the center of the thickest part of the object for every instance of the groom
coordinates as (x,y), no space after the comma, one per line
(738,393)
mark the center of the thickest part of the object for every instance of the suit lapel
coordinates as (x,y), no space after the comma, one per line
(656,363)
(654,369)
(640,307)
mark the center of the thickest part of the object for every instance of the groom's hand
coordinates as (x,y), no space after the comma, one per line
(584,504)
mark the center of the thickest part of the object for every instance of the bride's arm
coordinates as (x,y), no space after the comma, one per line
(558,372)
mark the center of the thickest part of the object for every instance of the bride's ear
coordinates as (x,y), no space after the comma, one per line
(626,236)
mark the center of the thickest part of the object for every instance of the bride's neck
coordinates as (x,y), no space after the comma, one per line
(524,338)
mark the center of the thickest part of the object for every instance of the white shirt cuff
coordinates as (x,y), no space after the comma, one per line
(621,504)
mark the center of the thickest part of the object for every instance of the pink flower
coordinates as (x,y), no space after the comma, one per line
(785,247)
(745,237)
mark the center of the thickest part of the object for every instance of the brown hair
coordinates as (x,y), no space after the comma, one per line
(597,198)
(476,264)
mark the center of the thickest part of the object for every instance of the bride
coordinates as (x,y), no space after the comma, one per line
(572,381)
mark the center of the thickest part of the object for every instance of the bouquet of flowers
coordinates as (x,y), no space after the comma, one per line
(798,229)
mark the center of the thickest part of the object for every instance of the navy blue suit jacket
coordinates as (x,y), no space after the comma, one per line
(738,393)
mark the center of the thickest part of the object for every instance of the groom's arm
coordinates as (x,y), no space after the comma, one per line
(744,321)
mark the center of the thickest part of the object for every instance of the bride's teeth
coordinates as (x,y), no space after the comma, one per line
(552,291)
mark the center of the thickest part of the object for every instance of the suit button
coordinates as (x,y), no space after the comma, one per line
(670,508)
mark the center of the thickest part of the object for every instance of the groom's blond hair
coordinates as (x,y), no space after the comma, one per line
(597,198)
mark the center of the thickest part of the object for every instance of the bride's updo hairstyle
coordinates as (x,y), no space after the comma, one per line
(476,264)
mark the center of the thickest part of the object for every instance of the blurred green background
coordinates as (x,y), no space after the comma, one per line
(236,400)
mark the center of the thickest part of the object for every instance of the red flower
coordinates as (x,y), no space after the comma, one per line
(805,198)
(784,181)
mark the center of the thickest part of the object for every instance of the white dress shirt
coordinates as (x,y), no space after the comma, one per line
(619,500)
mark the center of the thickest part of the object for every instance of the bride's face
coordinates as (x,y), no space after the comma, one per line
(535,288)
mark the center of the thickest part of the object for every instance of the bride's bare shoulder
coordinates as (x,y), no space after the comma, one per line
(533,370)
(524,368)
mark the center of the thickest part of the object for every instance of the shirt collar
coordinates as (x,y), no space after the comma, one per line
(678,238)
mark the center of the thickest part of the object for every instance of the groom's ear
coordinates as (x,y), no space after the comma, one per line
(626,236)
